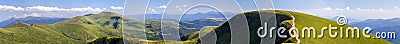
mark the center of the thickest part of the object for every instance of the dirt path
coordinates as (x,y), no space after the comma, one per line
(294,25)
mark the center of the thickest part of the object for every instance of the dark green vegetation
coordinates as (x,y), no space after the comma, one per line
(108,40)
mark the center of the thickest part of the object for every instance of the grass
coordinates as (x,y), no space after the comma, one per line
(306,20)
(33,34)
(100,28)
(301,20)
(77,30)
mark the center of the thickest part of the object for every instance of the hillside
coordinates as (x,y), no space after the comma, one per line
(305,20)
(77,30)
(223,33)
(109,27)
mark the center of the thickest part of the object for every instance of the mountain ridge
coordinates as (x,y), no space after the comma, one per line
(381,25)
(77,30)
(30,20)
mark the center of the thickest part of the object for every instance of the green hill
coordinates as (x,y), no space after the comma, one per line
(24,33)
(306,20)
(77,30)
(106,27)
(90,28)
(284,19)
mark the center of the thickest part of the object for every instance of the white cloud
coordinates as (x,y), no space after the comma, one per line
(397,8)
(10,8)
(116,8)
(355,12)
(184,5)
(24,15)
(180,7)
(326,8)
(46,11)
(152,10)
(14,16)
(32,14)
(49,9)
(352,9)
(162,7)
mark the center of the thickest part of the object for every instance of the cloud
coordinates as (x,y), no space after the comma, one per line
(355,12)
(32,14)
(184,5)
(46,11)
(326,8)
(397,8)
(162,7)
(49,9)
(352,9)
(180,7)
(116,8)
(152,10)
(10,8)
(329,8)
(26,15)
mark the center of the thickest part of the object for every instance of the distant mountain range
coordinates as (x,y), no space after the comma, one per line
(348,19)
(30,20)
(381,25)
(187,17)
(188,27)
(188,23)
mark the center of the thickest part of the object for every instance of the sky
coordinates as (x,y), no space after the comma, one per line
(57,8)
(353,9)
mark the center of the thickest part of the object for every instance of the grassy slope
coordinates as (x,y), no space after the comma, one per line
(24,33)
(80,30)
(84,29)
(306,20)
(194,36)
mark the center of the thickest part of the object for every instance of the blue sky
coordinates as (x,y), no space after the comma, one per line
(57,8)
(313,4)
(184,4)
(64,3)
(354,9)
